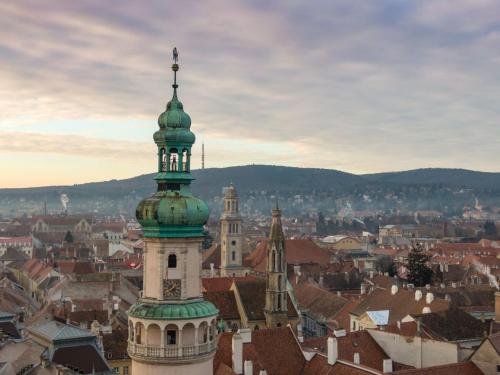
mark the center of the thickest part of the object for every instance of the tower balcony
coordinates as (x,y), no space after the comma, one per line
(171,353)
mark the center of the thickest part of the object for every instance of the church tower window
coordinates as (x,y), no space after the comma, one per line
(172,261)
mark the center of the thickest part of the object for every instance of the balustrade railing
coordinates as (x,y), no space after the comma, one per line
(170,351)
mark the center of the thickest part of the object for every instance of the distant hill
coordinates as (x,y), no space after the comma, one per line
(299,190)
(276,178)
(452,177)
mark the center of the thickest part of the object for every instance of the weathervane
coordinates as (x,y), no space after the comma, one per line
(175,66)
(175,55)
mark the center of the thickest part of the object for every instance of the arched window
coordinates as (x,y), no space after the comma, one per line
(163,158)
(233,255)
(280,281)
(279,302)
(174,159)
(273,260)
(185,160)
(172,261)
(279,267)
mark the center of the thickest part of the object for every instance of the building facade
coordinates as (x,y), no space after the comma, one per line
(231,240)
(276,293)
(172,329)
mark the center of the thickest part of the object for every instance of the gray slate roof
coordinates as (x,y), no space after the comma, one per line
(53,330)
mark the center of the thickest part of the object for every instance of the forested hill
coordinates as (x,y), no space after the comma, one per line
(299,189)
(210,181)
(452,177)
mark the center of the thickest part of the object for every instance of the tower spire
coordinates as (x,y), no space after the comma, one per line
(175,67)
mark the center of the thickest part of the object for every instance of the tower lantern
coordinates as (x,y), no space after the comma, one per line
(172,329)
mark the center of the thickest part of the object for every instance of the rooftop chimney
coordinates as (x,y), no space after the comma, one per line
(237,346)
(387,365)
(246,335)
(248,368)
(497,307)
(429,298)
(356,360)
(363,289)
(212,270)
(339,332)
(426,310)
(418,295)
(332,350)
(394,289)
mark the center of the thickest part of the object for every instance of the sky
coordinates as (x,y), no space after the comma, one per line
(360,86)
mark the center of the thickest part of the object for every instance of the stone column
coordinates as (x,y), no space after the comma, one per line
(179,342)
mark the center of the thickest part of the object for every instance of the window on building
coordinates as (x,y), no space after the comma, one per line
(233,255)
(172,261)
(233,243)
(125,370)
(116,370)
(171,337)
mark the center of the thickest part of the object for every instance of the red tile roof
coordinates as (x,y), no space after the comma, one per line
(320,303)
(225,301)
(297,251)
(463,368)
(370,353)
(400,305)
(211,255)
(253,298)
(274,350)
(216,284)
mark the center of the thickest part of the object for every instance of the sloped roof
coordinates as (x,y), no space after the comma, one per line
(218,284)
(370,353)
(495,341)
(83,357)
(379,317)
(52,330)
(453,325)
(462,368)
(212,255)
(297,251)
(321,303)
(401,304)
(274,350)
(10,329)
(225,302)
(13,254)
(253,299)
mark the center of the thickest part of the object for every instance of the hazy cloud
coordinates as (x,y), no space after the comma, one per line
(360,86)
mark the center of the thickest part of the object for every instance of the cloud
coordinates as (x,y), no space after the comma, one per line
(364,86)
(70,144)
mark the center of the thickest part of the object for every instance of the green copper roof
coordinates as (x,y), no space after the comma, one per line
(173,211)
(174,116)
(172,214)
(177,311)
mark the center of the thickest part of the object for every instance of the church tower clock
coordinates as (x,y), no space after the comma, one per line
(172,329)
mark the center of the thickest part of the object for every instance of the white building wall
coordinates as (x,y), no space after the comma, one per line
(415,351)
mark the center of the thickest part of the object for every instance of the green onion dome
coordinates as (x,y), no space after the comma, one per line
(172,214)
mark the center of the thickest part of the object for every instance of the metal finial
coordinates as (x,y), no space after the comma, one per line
(175,66)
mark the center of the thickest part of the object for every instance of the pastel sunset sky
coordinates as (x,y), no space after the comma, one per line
(360,86)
